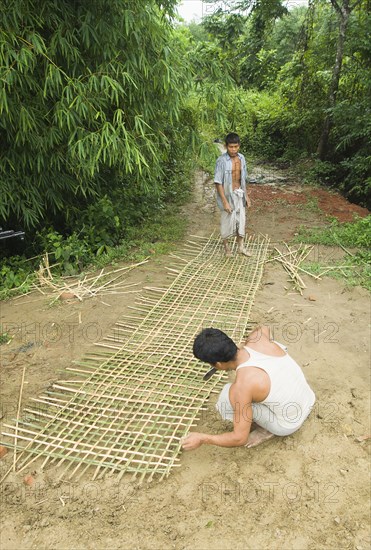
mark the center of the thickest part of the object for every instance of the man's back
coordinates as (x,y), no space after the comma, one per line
(274,378)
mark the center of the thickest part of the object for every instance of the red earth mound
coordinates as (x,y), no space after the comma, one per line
(331,203)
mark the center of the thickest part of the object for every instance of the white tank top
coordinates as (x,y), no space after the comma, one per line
(290,398)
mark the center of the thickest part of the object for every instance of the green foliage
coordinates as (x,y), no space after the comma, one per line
(4,337)
(67,254)
(100,224)
(255,116)
(355,234)
(286,34)
(256,62)
(349,175)
(14,272)
(356,178)
(95,135)
(213,77)
(85,90)
(103,104)
(306,80)
(290,57)
(224,28)
(323,172)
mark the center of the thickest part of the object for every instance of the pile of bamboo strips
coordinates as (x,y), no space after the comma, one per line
(105,282)
(291,260)
(130,400)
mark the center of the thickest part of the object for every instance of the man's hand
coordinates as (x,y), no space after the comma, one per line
(192,441)
(248,201)
(227,207)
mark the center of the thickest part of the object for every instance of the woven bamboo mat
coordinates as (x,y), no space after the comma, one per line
(131,400)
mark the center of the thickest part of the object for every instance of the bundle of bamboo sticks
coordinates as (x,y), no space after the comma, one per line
(105,282)
(291,260)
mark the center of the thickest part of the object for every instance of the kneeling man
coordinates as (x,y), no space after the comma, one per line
(270,395)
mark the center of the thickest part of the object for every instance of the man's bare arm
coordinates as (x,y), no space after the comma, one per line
(242,420)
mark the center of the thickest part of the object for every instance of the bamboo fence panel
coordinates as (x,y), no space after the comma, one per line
(141,389)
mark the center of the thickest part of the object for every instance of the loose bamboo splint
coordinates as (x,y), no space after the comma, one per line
(142,389)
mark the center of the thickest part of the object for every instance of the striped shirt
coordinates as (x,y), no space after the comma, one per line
(223,176)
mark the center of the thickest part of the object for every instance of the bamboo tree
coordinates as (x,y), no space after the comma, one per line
(87,91)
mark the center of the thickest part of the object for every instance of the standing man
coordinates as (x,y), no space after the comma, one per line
(232,198)
(270,395)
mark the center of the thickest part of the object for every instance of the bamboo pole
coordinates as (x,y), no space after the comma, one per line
(17,420)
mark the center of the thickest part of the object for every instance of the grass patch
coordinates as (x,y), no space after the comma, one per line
(312,205)
(353,270)
(4,338)
(355,234)
(355,266)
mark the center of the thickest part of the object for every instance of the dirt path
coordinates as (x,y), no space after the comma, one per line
(306,491)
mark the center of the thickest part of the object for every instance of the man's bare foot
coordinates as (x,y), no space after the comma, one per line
(257,436)
(244,251)
(228,253)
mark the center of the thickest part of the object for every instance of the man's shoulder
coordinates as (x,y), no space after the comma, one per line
(247,380)
(221,162)
(250,378)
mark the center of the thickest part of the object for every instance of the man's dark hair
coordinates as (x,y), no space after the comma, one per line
(212,346)
(232,138)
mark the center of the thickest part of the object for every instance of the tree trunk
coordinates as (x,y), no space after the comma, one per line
(343,13)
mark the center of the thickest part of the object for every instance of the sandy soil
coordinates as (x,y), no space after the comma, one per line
(306,491)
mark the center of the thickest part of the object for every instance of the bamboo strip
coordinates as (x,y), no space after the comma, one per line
(17,419)
(292,268)
(179,258)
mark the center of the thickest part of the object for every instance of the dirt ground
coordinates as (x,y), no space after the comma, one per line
(308,491)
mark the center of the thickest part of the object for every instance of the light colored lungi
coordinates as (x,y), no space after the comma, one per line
(233,223)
